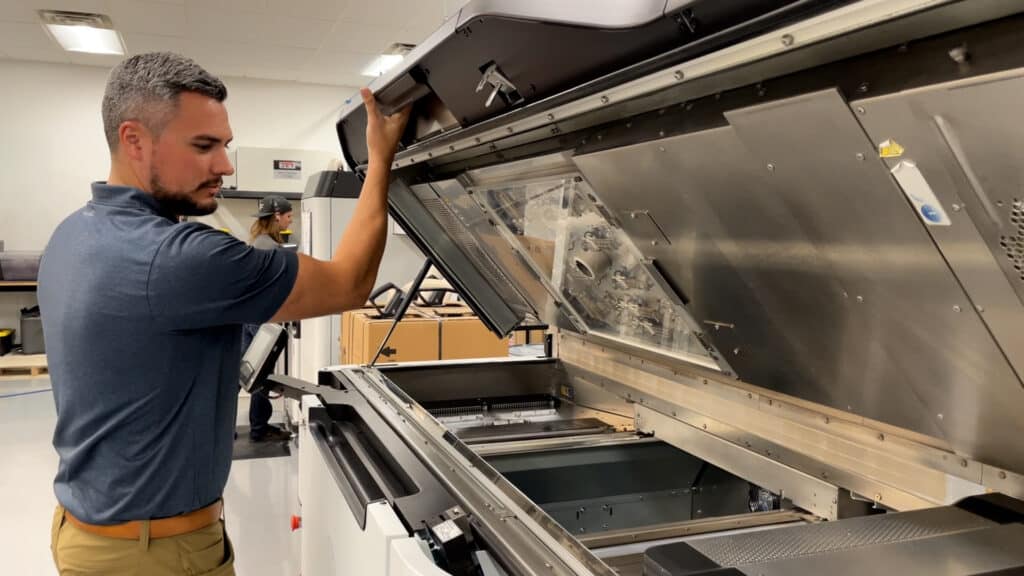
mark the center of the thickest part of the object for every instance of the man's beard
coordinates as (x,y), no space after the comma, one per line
(181,203)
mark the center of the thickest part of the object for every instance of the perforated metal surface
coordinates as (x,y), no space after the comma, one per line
(457,231)
(757,547)
(1013,244)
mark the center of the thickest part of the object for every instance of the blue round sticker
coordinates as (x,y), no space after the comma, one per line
(931,214)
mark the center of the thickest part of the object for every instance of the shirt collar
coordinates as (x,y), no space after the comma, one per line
(127,197)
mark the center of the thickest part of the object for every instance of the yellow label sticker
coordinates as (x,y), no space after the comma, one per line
(890,149)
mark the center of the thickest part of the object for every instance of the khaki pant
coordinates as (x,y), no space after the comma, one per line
(205,552)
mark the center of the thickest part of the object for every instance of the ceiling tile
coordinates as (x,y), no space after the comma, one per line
(18,11)
(102,60)
(141,43)
(258,28)
(70,5)
(25,34)
(39,54)
(416,33)
(314,9)
(426,12)
(336,68)
(362,38)
(148,17)
(233,59)
(379,12)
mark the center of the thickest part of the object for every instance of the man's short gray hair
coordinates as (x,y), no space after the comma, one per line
(145,88)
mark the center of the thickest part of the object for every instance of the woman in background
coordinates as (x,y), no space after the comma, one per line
(274,217)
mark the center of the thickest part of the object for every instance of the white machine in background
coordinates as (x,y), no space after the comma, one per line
(327,206)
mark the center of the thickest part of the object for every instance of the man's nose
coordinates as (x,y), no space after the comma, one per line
(222,164)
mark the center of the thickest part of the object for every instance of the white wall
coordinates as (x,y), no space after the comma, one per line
(52,144)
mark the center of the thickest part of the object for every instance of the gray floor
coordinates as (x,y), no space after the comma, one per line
(259,500)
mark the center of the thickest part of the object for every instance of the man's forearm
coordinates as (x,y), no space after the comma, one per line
(361,247)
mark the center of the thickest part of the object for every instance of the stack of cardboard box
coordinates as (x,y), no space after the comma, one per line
(436,333)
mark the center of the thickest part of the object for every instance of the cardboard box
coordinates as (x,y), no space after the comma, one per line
(468,337)
(416,338)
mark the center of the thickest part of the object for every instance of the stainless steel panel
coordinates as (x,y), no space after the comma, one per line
(758,547)
(972,552)
(807,492)
(812,273)
(967,140)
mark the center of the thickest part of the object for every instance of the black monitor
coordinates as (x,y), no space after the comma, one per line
(259,359)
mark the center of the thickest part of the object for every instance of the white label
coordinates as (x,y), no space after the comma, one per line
(920,194)
(288,169)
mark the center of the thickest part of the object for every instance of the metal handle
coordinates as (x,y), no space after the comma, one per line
(349,473)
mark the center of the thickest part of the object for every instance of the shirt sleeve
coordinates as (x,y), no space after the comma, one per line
(201,277)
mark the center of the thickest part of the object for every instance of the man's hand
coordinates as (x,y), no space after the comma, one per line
(383,132)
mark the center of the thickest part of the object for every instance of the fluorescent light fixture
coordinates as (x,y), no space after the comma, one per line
(83,32)
(388,60)
(382,64)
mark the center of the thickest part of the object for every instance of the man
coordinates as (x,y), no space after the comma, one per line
(143,317)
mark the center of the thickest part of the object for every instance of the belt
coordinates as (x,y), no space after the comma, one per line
(159,528)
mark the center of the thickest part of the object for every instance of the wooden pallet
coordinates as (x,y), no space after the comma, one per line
(23,367)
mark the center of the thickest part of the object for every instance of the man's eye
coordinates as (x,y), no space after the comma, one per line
(204,147)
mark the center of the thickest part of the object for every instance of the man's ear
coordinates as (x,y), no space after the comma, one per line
(132,139)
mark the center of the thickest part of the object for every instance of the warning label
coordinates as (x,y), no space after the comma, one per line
(288,169)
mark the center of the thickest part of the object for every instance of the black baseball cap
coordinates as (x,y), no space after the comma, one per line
(271,205)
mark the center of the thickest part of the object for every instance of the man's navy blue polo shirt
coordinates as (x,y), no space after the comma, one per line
(142,317)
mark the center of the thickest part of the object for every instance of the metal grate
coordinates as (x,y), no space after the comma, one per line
(460,235)
(758,547)
(1013,245)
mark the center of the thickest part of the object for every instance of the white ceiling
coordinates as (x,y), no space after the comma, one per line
(317,41)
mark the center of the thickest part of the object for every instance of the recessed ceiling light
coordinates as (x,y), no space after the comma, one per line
(82,32)
(388,60)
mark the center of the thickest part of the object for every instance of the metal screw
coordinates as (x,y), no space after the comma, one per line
(654,242)
(940,416)
(963,463)
(771,167)
(1002,475)
(750,395)
(451,148)
(735,352)
(679,75)
(860,299)
(551,116)
(956,207)
(861,110)
(956,308)
(979,308)
(846,294)
(881,437)
(605,100)
(477,140)
(661,133)
(878,497)
(860,156)
(863,88)
(661,148)
(827,420)
(704,426)
(787,39)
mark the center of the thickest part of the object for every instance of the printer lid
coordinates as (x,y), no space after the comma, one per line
(753,208)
